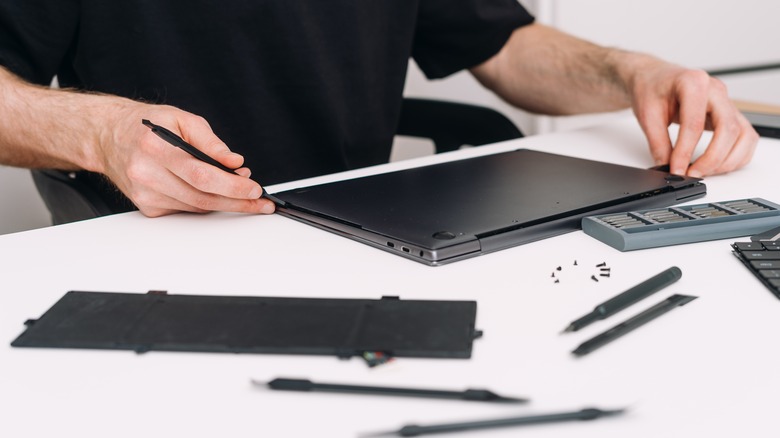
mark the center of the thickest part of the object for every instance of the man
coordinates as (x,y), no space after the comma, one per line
(303,87)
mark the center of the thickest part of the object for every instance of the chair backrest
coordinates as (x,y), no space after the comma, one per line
(451,125)
(74,196)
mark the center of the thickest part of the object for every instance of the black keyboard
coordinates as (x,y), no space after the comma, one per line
(762,257)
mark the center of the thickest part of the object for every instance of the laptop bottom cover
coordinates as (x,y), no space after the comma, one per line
(451,211)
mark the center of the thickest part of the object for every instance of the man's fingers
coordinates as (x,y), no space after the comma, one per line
(207,188)
(693,97)
(655,123)
(209,179)
(165,192)
(149,191)
(203,176)
(726,131)
(211,202)
(244,171)
(161,205)
(665,94)
(162,179)
(157,188)
(167,205)
(736,153)
(197,132)
(741,154)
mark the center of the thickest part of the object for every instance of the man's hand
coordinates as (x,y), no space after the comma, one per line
(546,71)
(161,179)
(663,94)
(45,128)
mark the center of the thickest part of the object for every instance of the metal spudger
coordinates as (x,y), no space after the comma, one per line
(627,298)
(469,394)
(179,142)
(585,414)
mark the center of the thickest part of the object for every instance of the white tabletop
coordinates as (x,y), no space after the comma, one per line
(707,369)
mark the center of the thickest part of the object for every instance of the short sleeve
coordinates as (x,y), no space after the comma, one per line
(452,35)
(35,36)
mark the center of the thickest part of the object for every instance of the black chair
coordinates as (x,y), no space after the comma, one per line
(74,196)
(451,125)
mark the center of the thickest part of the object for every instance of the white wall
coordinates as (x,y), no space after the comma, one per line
(20,206)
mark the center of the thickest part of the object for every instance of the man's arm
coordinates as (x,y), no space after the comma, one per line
(46,128)
(546,71)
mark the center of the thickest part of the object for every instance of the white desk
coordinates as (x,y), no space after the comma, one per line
(710,368)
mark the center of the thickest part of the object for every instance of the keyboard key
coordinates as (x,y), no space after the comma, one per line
(762,255)
(772,246)
(747,246)
(770,273)
(766,264)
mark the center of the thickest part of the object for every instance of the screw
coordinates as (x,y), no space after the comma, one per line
(593,277)
(575,263)
(558,268)
(553,274)
(605,274)
(601,265)
(557,281)
(606,269)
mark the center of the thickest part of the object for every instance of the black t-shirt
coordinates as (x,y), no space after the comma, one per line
(299,87)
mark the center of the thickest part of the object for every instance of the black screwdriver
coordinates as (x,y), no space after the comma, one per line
(627,298)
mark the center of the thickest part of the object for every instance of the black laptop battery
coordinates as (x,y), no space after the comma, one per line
(252,324)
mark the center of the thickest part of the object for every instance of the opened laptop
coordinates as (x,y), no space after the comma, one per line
(455,210)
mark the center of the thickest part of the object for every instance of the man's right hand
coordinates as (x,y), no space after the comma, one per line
(46,128)
(161,179)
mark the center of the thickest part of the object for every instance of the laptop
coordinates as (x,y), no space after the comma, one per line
(456,210)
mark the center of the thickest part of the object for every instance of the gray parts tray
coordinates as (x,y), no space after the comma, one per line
(686,224)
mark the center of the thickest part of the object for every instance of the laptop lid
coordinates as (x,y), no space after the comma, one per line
(450,211)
